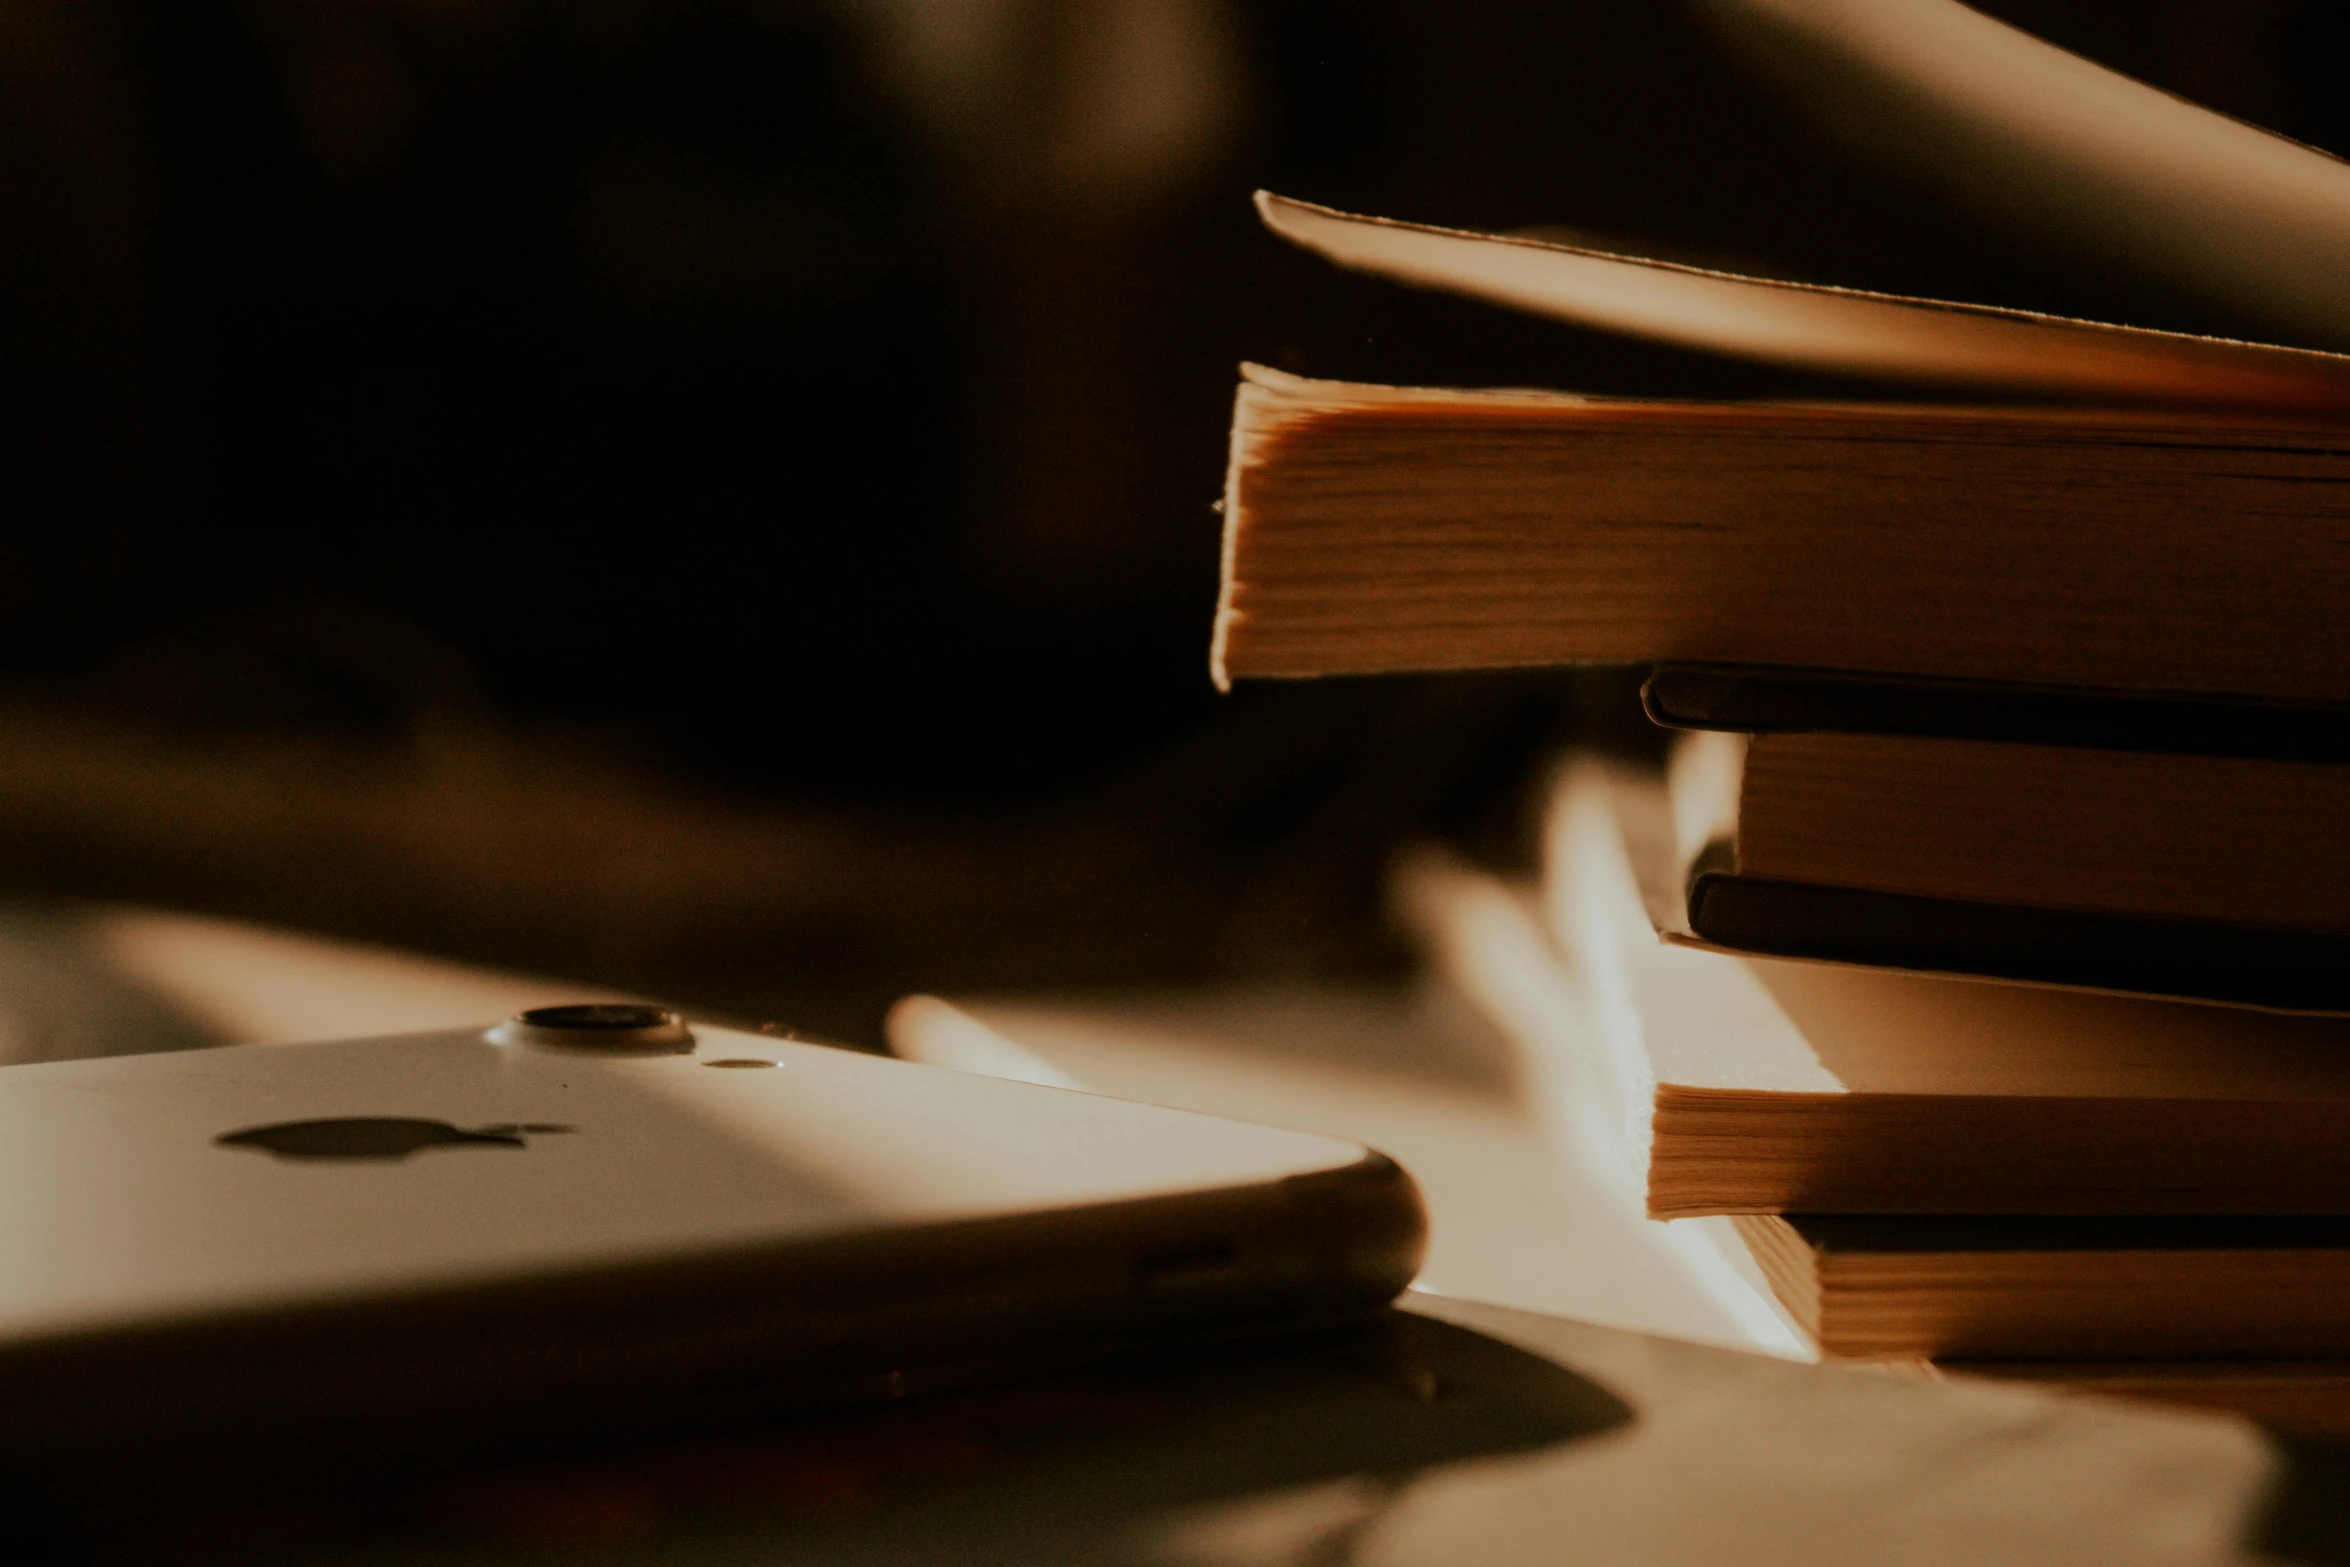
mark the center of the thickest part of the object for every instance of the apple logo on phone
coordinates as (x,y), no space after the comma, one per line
(378,1137)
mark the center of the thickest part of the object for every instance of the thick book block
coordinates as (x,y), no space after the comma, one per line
(1906,1287)
(1377,528)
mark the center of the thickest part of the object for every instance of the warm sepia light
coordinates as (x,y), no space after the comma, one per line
(1494,948)
(254,985)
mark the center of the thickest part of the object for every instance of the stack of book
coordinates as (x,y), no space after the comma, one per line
(2119,1191)
(1987,955)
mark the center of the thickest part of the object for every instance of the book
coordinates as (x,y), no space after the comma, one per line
(2037,1288)
(2212,876)
(2036,501)
(2019,646)
(1756,1085)
(1908,1287)
(1373,529)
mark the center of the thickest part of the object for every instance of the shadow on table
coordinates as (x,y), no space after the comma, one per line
(1273,1454)
(2306,1516)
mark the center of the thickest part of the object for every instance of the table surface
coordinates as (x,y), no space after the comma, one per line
(1449,1432)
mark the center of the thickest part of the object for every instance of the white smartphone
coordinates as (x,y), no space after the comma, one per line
(591,1215)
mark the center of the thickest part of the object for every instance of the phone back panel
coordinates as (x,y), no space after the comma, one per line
(120,1204)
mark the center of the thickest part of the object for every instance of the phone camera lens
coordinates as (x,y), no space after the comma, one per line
(624,1028)
(599,1015)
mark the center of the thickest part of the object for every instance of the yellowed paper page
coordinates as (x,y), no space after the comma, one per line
(1975,348)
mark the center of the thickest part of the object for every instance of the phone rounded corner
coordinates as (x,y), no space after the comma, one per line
(1367,1223)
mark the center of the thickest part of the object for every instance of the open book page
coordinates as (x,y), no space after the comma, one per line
(1978,349)
(2066,155)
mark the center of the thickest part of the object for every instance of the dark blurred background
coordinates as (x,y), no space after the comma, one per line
(714,496)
